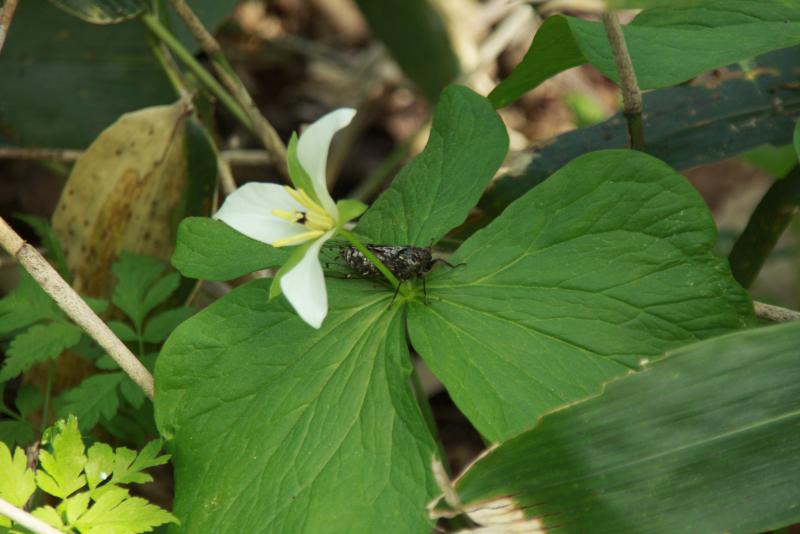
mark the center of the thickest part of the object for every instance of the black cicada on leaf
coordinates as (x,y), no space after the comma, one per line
(404,261)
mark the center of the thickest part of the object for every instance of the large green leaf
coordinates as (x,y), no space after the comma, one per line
(279,427)
(606,263)
(685,126)
(427,58)
(667,45)
(435,192)
(704,441)
(65,80)
(208,249)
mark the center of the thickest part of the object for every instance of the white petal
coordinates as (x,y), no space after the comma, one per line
(312,151)
(248,210)
(304,285)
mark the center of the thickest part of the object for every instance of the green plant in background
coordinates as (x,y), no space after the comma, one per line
(88,483)
(585,325)
(38,331)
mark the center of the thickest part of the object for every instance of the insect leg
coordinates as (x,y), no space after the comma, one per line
(440,260)
(396,290)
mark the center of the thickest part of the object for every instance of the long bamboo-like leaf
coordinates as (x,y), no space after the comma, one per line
(703,441)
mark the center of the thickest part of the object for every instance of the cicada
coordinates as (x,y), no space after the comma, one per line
(404,261)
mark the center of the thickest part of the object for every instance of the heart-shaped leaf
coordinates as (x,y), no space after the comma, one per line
(607,262)
(279,427)
(434,193)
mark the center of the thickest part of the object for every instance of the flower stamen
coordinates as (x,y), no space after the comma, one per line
(291,216)
(304,200)
(297,239)
(316,221)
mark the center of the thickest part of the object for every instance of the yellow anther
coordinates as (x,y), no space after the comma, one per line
(315,221)
(297,239)
(291,216)
(304,200)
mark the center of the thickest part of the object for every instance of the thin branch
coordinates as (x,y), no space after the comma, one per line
(226,181)
(776,314)
(766,225)
(5,20)
(193,65)
(247,157)
(23,518)
(74,306)
(260,125)
(631,95)
(235,157)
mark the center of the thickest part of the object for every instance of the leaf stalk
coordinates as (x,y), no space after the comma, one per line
(769,220)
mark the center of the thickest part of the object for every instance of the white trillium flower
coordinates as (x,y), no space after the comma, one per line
(282,216)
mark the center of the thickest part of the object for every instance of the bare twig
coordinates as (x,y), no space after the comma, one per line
(226,181)
(23,518)
(74,306)
(631,95)
(516,20)
(261,126)
(234,157)
(5,20)
(776,314)
(55,154)
(173,44)
(247,157)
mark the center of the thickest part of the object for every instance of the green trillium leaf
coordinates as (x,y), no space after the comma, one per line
(706,437)
(435,192)
(211,250)
(278,427)
(607,262)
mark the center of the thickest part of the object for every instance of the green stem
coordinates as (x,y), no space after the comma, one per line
(371,257)
(193,65)
(769,220)
(168,67)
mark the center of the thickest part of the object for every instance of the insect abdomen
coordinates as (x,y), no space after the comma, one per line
(405,262)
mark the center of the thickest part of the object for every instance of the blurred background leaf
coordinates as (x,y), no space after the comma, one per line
(686,126)
(102,11)
(130,189)
(416,34)
(64,80)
